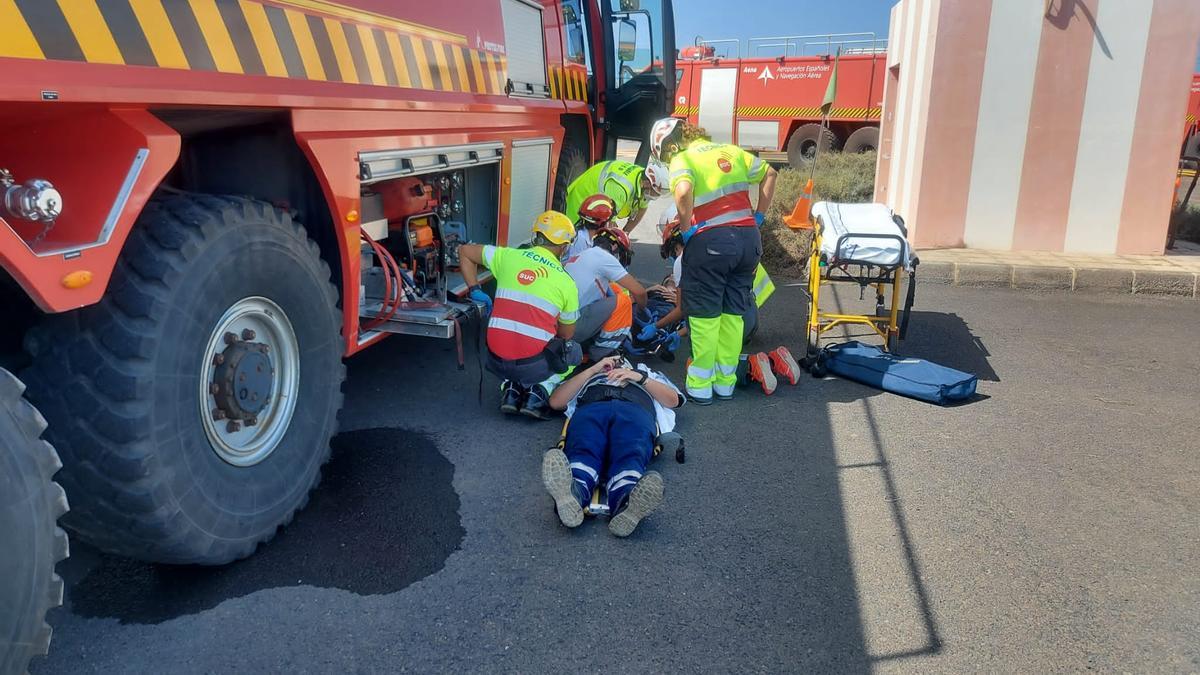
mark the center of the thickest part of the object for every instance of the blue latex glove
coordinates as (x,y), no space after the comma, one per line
(482,298)
(671,342)
(759,218)
(647,332)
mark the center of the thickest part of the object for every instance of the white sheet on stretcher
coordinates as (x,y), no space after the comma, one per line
(839,220)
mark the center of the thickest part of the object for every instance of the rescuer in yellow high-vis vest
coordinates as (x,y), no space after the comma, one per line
(631,187)
(711,184)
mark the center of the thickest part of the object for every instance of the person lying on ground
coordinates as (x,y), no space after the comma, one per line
(616,412)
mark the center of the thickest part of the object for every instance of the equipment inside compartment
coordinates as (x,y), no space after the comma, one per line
(412,228)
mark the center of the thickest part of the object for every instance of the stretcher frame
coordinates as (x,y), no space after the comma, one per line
(887,324)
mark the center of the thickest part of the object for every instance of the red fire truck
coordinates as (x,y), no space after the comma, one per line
(207,204)
(771,104)
(1191,134)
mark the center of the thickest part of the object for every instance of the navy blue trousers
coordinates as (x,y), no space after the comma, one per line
(610,441)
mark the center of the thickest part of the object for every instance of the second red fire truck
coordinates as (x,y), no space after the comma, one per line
(772,104)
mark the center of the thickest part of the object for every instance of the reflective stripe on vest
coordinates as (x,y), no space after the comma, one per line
(625,175)
(610,172)
(733,218)
(530,290)
(721,177)
(763,286)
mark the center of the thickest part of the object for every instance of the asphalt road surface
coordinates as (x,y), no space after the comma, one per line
(1050,525)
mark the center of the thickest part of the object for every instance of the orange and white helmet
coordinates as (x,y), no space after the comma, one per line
(668,129)
(659,176)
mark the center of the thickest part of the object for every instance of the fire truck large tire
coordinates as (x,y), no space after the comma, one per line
(193,406)
(865,139)
(805,142)
(572,162)
(30,504)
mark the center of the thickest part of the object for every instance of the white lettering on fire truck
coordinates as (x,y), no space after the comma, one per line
(804,72)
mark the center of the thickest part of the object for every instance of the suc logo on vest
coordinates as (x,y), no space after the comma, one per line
(526,277)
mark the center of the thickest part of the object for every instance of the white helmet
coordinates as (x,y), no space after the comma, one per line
(663,130)
(658,175)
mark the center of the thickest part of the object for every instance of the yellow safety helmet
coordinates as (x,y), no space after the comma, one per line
(555,227)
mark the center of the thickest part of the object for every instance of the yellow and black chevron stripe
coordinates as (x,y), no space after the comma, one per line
(569,83)
(810,111)
(684,110)
(1190,118)
(299,39)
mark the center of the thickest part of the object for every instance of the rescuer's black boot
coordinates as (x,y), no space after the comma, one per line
(537,403)
(510,397)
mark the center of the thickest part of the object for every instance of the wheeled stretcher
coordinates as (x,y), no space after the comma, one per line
(669,441)
(865,244)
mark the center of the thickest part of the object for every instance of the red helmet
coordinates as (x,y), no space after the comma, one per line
(596,211)
(615,241)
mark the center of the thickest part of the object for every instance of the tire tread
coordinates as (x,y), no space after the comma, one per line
(92,371)
(29,426)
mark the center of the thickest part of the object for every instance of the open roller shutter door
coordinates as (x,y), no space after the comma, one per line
(717,87)
(530,187)
(523,42)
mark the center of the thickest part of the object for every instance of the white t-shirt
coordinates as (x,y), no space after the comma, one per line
(664,416)
(581,243)
(593,271)
(677,270)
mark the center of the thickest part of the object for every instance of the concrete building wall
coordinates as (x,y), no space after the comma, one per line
(1036,124)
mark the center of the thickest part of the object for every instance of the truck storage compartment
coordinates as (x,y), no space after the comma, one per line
(418,206)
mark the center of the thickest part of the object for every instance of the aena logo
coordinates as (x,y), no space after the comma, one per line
(724,165)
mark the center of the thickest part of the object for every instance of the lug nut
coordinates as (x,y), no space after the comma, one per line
(218,359)
(218,414)
(233,426)
(266,349)
(214,388)
(230,338)
(247,334)
(252,421)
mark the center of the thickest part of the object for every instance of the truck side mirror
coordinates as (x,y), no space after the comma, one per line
(626,41)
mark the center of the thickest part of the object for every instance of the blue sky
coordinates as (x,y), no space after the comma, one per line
(713,19)
(744,19)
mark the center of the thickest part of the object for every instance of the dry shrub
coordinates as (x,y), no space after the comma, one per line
(1189,224)
(839,178)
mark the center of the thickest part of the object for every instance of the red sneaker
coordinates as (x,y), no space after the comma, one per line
(784,365)
(760,371)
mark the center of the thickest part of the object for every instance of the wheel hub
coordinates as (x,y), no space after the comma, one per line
(249,381)
(241,384)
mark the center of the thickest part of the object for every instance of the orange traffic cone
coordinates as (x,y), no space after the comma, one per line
(798,218)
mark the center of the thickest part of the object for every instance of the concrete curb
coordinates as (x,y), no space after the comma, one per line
(1083,279)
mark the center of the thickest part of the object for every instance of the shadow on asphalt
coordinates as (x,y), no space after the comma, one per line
(385,515)
(824,542)
(945,338)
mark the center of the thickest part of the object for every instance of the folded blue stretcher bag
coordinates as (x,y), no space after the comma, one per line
(915,378)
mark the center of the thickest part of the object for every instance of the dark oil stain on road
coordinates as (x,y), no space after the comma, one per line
(384,516)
